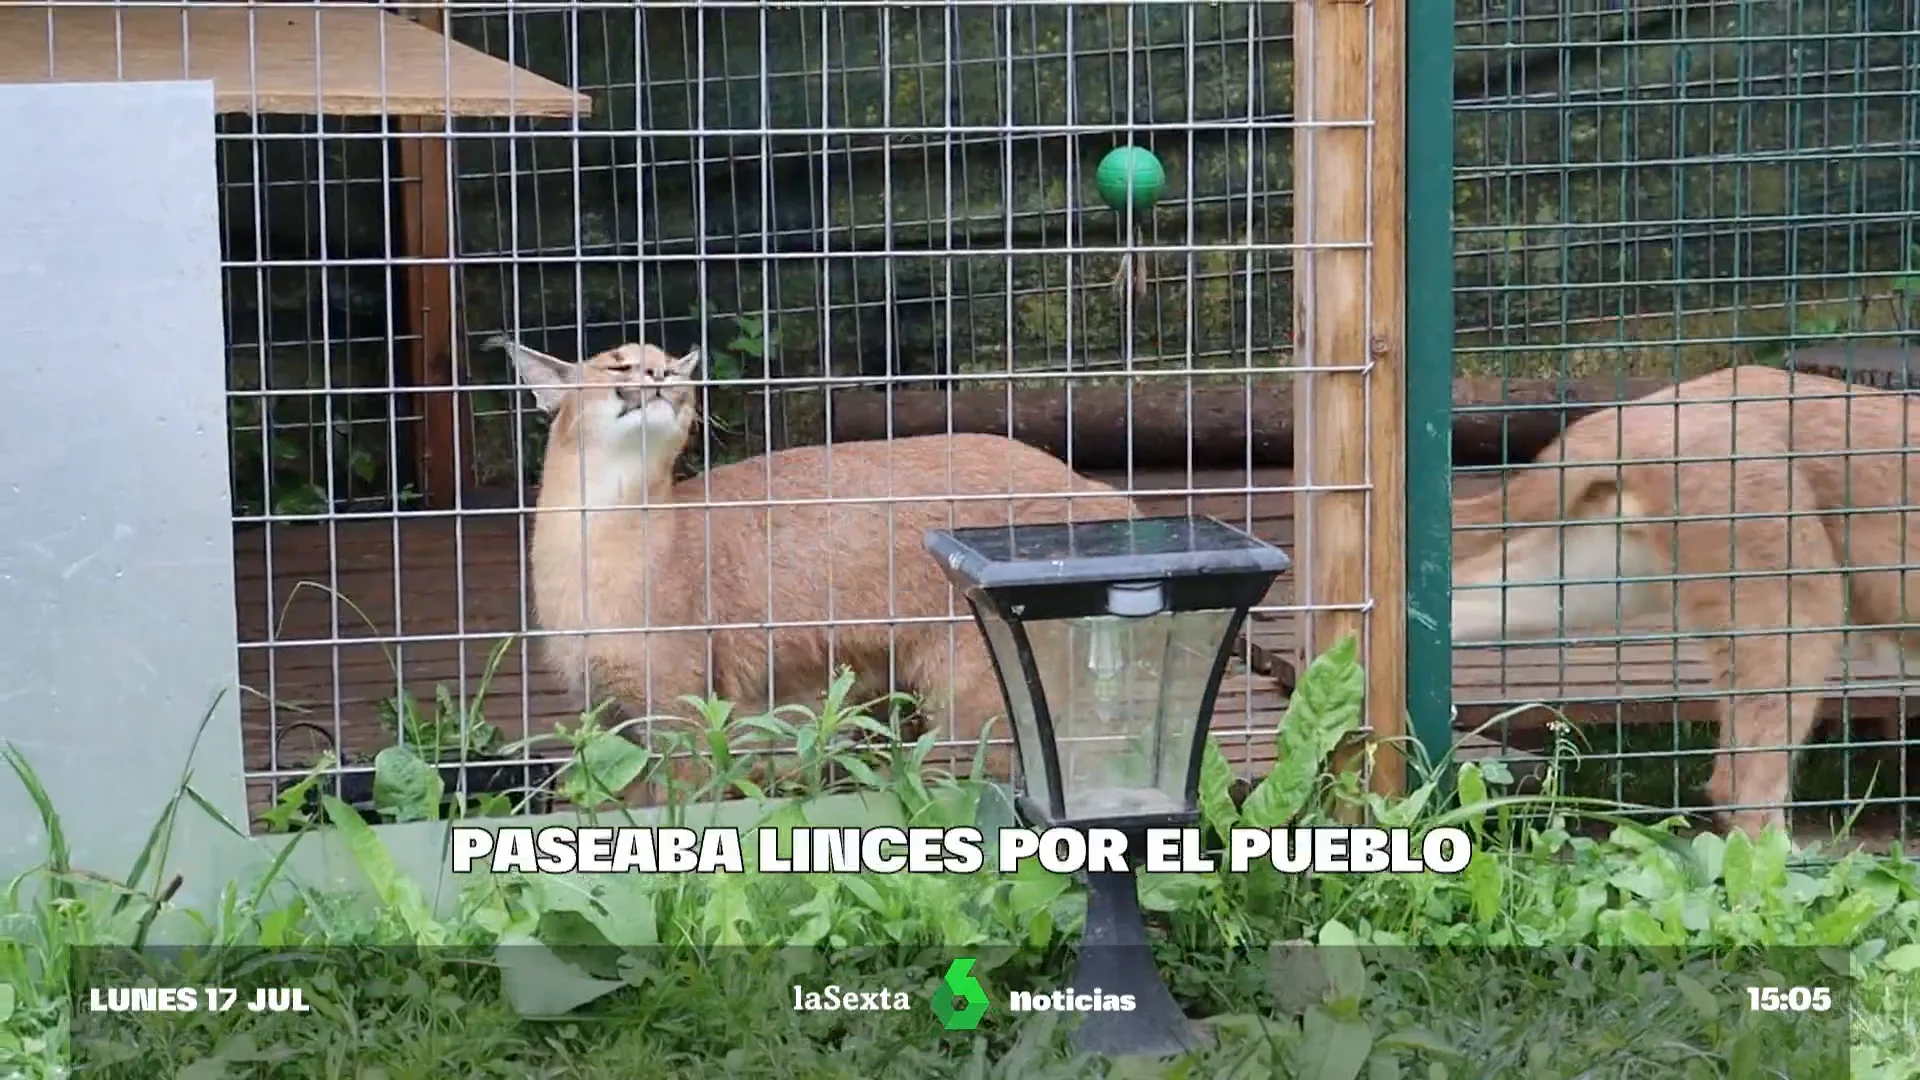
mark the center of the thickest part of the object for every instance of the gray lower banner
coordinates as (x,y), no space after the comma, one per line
(894,1011)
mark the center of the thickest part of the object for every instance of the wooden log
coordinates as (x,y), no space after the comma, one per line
(1885,367)
(1166,424)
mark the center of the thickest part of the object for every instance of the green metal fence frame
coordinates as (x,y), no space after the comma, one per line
(1429,375)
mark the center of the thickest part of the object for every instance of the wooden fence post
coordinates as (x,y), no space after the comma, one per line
(1349,316)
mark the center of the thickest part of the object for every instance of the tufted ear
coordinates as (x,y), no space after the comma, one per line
(549,377)
(688,366)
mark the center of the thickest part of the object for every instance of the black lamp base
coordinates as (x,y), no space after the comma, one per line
(1116,959)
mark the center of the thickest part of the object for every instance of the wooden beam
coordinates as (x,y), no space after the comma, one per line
(426,222)
(1331,288)
(1387,434)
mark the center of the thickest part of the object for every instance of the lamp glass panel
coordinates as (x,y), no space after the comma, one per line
(1125,696)
(1026,728)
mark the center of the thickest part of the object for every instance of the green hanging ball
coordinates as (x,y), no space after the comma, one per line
(1130,175)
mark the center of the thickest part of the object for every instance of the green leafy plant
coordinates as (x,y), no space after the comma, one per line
(791,752)
(1904,295)
(1815,328)
(745,355)
(448,730)
(449,740)
(1853,318)
(448,760)
(1564,949)
(274,466)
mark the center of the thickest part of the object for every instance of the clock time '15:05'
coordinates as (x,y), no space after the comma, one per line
(1789,998)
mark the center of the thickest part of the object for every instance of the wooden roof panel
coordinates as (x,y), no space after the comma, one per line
(281,58)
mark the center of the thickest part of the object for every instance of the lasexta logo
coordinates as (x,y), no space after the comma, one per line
(961,1001)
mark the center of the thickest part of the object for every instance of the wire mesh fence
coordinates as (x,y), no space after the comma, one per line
(1647,193)
(873,224)
(876,223)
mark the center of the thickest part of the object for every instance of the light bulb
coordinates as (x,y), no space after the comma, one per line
(1106,662)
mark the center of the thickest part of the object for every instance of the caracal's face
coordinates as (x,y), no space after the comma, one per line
(633,399)
(637,396)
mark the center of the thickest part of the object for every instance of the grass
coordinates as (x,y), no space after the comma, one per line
(1850,781)
(1555,954)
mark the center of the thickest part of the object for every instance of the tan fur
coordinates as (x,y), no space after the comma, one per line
(645,555)
(1823,588)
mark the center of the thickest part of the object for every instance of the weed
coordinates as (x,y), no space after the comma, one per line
(448,745)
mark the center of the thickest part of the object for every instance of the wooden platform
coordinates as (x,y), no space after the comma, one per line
(283,58)
(307,657)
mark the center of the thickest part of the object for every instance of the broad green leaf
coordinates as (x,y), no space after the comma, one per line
(1216,789)
(727,911)
(1702,999)
(1040,929)
(1323,710)
(1473,790)
(1749,1050)
(1346,973)
(1709,854)
(1334,933)
(538,983)
(993,811)
(1404,812)
(1034,889)
(1736,869)
(1903,959)
(1334,1048)
(396,891)
(1422,1041)
(1174,892)
(1340,956)
(1843,924)
(1770,854)
(405,786)
(1639,927)
(620,907)
(1385,1065)
(1495,772)
(864,891)
(1484,884)
(603,765)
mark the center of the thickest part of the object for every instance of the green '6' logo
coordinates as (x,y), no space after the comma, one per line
(961,1001)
